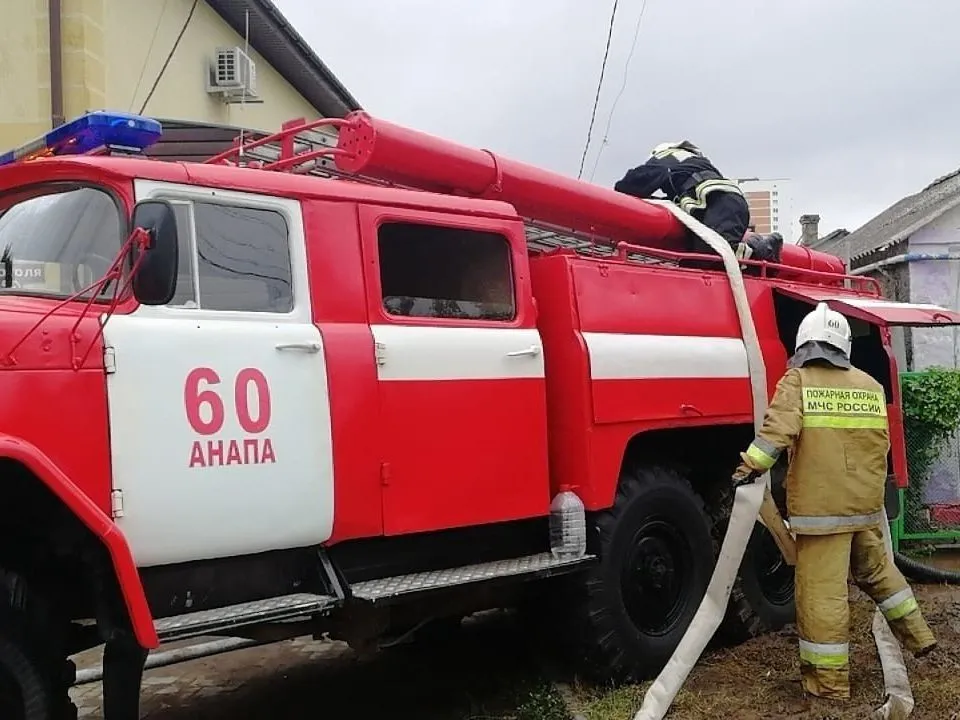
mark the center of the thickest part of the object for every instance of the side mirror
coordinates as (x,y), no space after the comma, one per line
(156,278)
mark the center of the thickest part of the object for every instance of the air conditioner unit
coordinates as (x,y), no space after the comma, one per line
(233,76)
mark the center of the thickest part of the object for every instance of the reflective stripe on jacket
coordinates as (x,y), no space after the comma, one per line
(702,190)
(834,424)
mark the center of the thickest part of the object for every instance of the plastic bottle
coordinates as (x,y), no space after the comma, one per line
(568,525)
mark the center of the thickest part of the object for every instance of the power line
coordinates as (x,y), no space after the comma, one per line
(176,44)
(626,74)
(596,100)
(146,58)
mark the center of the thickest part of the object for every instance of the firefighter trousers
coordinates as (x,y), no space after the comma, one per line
(728,214)
(824,563)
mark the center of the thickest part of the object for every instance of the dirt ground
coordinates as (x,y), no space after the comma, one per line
(759,680)
(487,673)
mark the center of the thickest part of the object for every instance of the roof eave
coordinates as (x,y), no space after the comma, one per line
(278,42)
(911,229)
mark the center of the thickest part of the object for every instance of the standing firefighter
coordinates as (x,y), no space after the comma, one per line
(685,175)
(832,419)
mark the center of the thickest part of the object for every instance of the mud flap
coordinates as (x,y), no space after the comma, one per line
(746,509)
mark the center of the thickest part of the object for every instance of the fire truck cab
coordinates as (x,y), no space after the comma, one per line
(266,404)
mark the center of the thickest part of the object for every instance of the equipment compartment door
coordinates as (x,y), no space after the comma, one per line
(460,368)
(219,412)
(877,311)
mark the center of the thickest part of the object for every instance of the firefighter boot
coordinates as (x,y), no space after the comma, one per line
(123,661)
(823,614)
(879,578)
(764,247)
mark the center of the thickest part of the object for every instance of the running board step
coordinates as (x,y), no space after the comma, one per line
(390,588)
(288,607)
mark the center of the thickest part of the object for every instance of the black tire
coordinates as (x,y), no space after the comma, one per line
(762,597)
(23,695)
(35,675)
(656,559)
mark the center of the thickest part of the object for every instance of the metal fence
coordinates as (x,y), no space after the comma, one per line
(930,505)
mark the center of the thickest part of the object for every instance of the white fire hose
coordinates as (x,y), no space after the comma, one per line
(746,509)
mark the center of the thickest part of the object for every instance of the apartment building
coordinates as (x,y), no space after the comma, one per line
(771,205)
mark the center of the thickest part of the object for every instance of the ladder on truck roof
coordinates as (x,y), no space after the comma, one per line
(309,148)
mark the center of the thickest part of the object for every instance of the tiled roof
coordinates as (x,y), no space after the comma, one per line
(899,221)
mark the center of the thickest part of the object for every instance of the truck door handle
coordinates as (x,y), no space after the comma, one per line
(532,351)
(308,347)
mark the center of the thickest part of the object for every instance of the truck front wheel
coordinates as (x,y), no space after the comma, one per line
(34,677)
(656,560)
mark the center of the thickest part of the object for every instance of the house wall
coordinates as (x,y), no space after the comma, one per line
(24,72)
(113,50)
(182,91)
(894,281)
(938,281)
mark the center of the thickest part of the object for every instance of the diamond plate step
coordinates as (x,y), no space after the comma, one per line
(287,607)
(393,587)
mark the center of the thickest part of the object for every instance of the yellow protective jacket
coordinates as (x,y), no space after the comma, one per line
(833,423)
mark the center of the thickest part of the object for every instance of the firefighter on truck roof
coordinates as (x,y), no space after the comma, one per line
(832,419)
(685,175)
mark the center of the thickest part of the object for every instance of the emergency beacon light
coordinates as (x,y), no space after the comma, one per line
(90,132)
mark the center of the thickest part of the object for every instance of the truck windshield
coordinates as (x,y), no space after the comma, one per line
(57,239)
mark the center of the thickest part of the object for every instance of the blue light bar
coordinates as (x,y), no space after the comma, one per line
(93,131)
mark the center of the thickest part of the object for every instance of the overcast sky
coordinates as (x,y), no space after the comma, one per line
(856,101)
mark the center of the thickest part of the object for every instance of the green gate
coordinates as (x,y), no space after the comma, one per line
(931,415)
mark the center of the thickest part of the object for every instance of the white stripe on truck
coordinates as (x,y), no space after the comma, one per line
(615,356)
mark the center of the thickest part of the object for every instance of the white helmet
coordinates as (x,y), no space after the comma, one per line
(825,326)
(682,145)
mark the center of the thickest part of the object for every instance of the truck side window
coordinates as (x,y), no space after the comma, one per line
(242,260)
(186,293)
(441,272)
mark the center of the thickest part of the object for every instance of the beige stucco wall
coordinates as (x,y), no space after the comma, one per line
(24,72)
(107,48)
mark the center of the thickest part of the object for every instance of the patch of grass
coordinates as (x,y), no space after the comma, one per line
(620,703)
(690,704)
(543,702)
(531,699)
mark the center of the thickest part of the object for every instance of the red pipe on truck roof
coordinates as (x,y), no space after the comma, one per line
(380,149)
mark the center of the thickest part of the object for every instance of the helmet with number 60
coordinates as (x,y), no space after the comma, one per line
(825,326)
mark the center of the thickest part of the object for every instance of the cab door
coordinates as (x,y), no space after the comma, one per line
(218,403)
(460,370)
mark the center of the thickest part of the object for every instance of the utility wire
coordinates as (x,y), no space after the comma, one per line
(176,44)
(146,58)
(596,100)
(626,74)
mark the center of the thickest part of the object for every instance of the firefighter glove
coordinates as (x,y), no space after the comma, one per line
(744,475)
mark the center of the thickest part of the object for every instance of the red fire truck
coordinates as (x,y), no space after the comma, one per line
(241,399)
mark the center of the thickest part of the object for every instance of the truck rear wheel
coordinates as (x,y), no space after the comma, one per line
(34,673)
(656,559)
(762,597)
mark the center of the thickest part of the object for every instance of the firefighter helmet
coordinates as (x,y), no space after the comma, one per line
(682,145)
(825,326)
